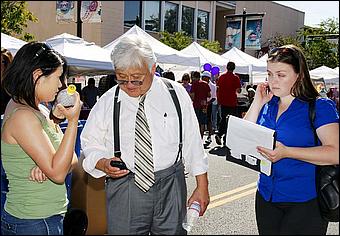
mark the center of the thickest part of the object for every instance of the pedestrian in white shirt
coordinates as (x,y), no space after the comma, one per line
(150,196)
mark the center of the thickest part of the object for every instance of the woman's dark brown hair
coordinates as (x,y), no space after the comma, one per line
(292,55)
(18,79)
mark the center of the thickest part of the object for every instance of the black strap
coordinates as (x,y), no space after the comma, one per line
(116,111)
(179,113)
(312,118)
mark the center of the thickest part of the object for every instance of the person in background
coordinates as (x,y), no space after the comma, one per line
(6,59)
(333,94)
(206,76)
(186,82)
(35,154)
(286,201)
(169,75)
(157,205)
(89,93)
(215,106)
(200,93)
(105,83)
(250,96)
(228,85)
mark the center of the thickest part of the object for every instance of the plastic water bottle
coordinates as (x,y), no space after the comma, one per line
(192,216)
(65,97)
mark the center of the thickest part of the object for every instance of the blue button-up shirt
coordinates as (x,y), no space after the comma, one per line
(293,180)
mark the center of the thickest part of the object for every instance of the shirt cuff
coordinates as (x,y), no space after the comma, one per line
(89,164)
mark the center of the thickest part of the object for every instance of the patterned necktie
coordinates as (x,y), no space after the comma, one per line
(144,170)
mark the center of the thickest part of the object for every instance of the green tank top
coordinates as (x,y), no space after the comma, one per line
(29,199)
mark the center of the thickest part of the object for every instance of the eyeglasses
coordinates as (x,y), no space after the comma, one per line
(136,79)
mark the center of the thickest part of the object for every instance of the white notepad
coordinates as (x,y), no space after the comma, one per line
(244,136)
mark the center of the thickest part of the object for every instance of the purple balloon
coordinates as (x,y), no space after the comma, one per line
(207,67)
(215,70)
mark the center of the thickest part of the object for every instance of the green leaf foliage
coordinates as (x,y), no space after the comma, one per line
(180,40)
(177,40)
(14,18)
(315,43)
(213,46)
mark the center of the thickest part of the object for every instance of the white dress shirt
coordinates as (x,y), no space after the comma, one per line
(97,137)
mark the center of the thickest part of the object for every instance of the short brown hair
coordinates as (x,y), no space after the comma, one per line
(185,76)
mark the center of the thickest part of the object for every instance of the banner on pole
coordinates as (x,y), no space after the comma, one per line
(91,11)
(253,34)
(233,35)
(65,11)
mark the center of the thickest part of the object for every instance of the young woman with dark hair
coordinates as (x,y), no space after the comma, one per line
(286,202)
(35,154)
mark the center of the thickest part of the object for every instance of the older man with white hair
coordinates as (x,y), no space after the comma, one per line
(139,138)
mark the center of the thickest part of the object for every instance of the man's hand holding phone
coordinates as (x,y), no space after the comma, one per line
(119,164)
(115,168)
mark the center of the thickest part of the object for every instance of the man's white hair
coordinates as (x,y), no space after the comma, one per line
(132,52)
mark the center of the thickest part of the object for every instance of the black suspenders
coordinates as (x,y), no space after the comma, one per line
(179,114)
(116,111)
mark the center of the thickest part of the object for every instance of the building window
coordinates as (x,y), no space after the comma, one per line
(170,17)
(152,15)
(132,13)
(202,24)
(188,20)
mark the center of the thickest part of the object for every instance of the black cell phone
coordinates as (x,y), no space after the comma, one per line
(119,164)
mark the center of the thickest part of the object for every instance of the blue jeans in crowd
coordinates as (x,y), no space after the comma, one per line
(11,225)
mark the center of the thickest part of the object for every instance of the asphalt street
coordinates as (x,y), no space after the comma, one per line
(232,192)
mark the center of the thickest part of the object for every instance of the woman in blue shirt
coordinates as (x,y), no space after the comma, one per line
(286,201)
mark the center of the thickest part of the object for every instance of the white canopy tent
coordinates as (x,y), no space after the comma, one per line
(330,76)
(206,56)
(12,44)
(246,64)
(264,57)
(167,57)
(83,58)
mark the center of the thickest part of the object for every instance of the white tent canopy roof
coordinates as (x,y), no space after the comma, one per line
(83,58)
(331,76)
(244,63)
(12,44)
(205,55)
(164,53)
(264,57)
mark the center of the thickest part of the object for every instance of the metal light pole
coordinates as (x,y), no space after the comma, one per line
(244,16)
(79,22)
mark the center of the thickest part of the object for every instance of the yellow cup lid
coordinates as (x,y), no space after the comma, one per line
(71,89)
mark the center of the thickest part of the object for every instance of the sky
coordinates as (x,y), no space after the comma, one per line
(315,11)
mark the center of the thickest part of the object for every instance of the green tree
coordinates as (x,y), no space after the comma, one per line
(330,25)
(213,46)
(14,18)
(321,52)
(177,40)
(314,43)
(279,40)
(180,40)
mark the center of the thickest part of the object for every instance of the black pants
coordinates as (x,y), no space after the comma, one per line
(222,128)
(289,218)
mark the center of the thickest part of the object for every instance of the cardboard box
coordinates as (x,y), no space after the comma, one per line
(88,194)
